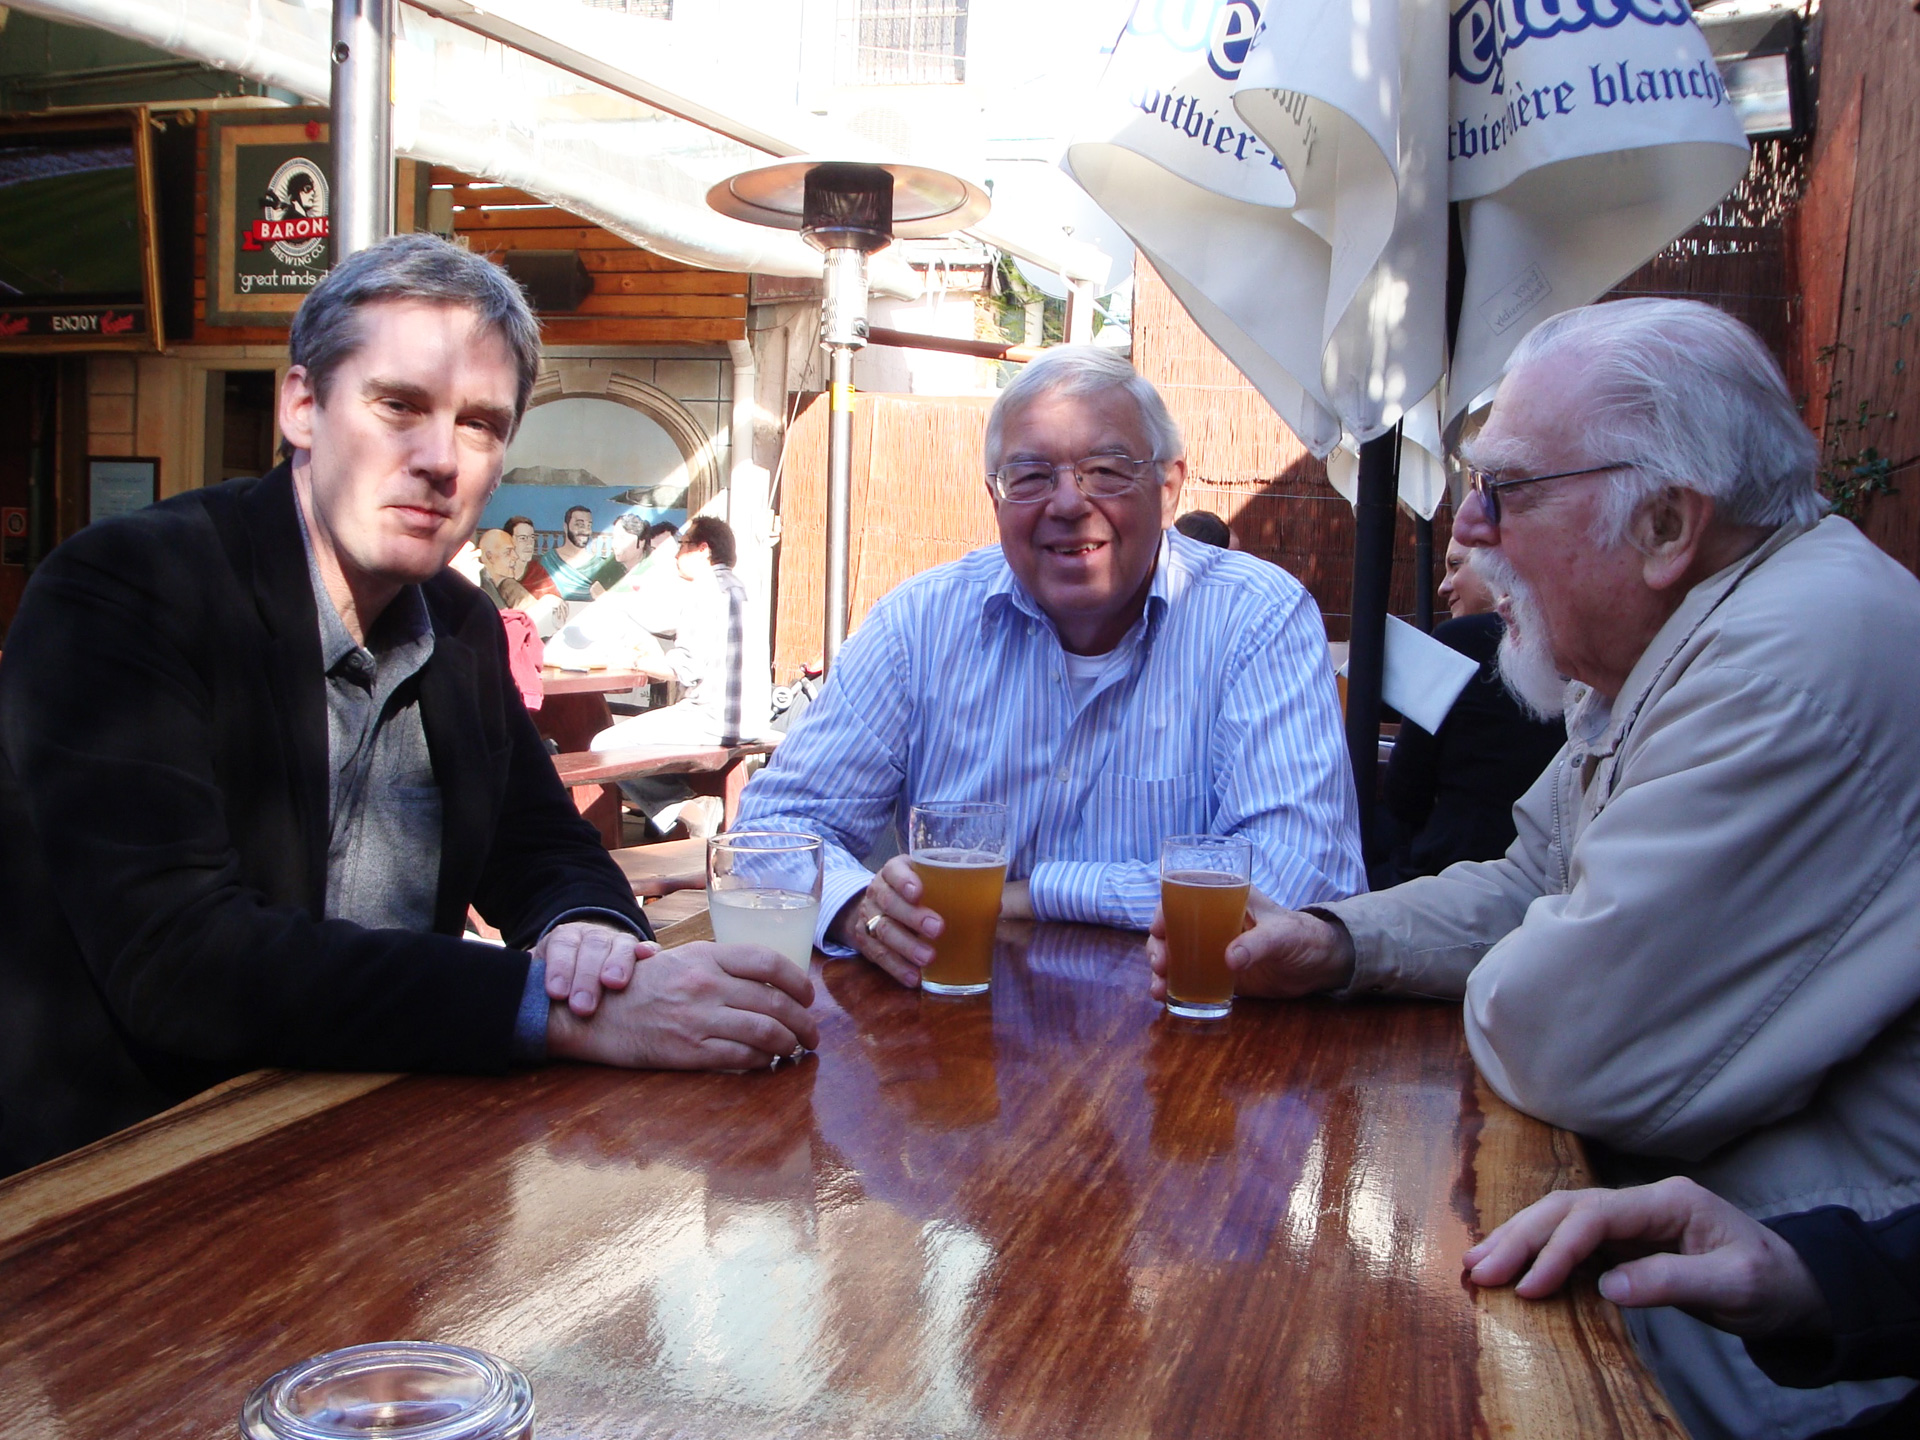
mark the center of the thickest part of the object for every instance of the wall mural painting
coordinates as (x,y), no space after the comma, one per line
(591,489)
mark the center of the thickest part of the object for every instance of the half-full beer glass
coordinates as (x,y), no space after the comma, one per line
(763,888)
(959,851)
(1203,893)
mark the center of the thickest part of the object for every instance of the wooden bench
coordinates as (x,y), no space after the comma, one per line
(663,869)
(594,776)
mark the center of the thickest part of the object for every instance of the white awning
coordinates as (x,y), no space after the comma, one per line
(587,111)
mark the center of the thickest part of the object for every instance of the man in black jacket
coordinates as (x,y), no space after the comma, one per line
(259,752)
(1450,792)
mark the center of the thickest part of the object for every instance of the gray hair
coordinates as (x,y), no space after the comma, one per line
(1686,397)
(327,331)
(1075,370)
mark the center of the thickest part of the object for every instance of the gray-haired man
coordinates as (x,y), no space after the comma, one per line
(1701,950)
(259,752)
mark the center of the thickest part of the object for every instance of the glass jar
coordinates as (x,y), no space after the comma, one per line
(399,1390)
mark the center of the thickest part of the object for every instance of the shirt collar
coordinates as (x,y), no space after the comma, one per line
(1006,593)
(403,622)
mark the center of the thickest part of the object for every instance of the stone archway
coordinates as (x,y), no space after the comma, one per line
(611,379)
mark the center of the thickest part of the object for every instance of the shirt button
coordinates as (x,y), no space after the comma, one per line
(1060,775)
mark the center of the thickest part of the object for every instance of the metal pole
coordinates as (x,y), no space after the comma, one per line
(361,209)
(1373,516)
(839,493)
(843,329)
(1423,573)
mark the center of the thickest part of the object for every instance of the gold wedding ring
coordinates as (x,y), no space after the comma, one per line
(872,922)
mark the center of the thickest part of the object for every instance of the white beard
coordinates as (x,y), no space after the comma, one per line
(1526,659)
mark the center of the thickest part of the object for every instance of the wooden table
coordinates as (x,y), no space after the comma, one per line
(574,708)
(1053,1211)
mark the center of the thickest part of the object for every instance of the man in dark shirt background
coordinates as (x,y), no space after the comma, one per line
(1449,795)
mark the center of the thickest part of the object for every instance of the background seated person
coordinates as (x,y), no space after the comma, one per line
(1818,1297)
(1450,794)
(709,625)
(1208,528)
(260,751)
(1110,682)
(1700,949)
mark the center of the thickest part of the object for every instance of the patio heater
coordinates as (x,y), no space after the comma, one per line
(847,211)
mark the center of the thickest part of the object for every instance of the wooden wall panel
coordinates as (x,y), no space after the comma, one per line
(1874,46)
(638,298)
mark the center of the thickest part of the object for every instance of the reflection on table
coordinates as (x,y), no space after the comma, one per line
(1048,1210)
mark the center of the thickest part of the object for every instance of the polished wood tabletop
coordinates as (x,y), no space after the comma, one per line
(1049,1211)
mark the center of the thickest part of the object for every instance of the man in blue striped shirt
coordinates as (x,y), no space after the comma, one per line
(1108,680)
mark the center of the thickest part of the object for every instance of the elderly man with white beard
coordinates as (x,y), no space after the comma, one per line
(1703,949)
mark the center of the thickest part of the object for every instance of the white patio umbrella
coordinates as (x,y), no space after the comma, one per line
(1289,175)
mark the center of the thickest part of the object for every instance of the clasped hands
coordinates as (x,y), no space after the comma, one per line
(619,1000)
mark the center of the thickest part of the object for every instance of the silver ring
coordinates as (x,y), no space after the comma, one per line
(799,1054)
(872,923)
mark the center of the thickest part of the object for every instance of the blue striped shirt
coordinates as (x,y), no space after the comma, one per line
(1219,715)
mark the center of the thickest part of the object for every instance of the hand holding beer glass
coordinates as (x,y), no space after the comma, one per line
(1204,881)
(959,851)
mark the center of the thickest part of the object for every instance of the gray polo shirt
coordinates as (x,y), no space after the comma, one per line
(383,804)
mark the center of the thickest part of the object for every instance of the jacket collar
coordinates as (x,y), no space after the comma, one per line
(1596,729)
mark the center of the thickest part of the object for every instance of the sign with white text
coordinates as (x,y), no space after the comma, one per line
(269,197)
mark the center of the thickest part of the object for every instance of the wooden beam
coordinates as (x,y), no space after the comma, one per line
(669,282)
(633,261)
(584,237)
(493,195)
(566,330)
(662,305)
(529,218)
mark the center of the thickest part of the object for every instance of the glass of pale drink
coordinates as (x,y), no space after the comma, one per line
(1203,894)
(959,851)
(763,888)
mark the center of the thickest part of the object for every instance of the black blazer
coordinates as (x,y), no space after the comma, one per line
(163,813)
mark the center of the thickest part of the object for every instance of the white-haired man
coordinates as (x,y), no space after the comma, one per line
(1110,681)
(1701,950)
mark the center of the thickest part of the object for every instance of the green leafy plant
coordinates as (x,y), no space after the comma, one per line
(1851,471)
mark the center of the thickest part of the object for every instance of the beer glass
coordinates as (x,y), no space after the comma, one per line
(1203,893)
(959,851)
(763,888)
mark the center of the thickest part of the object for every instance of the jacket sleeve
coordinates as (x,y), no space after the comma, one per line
(1869,1274)
(543,858)
(109,724)
(1426,936)
(1725,934)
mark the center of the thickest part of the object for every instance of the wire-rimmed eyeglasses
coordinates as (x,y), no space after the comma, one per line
(1487,485)
(1099,477)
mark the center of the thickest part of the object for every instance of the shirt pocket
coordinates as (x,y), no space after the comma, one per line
(1132,814)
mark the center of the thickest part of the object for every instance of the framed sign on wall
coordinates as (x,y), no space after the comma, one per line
(120,486)
(269,193)
(79,267)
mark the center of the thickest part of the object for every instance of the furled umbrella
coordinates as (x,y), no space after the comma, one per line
(1289,177)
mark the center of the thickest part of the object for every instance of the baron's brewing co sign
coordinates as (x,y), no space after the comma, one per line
(269,193)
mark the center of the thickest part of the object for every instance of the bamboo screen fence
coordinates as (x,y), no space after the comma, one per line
(919,499)
(1245,466)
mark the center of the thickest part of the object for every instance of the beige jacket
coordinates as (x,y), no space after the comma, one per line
(1705,942)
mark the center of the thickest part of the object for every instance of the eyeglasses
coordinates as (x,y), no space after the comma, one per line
(1100,477)
(1484,484)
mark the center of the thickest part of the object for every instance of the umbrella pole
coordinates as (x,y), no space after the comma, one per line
(1373,516)
(1423,573)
